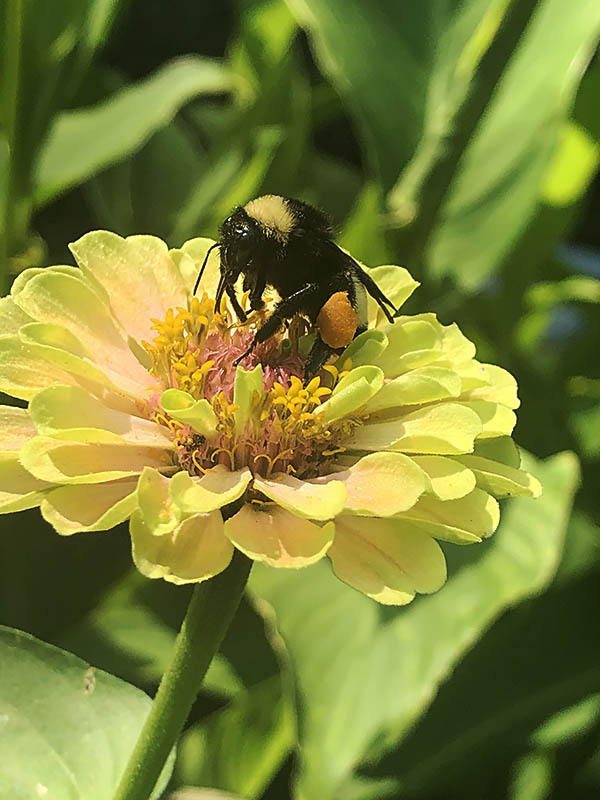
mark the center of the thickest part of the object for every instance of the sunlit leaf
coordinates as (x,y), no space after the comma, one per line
(496,188)
(362,672)
(241,747)
(84,141)
(67,728)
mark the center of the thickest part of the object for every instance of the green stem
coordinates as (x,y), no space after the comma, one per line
(207,619)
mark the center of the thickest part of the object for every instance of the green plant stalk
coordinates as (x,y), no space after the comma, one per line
(209,614)
(12,46)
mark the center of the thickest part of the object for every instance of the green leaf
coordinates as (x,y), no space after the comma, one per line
(533,778)
(364,672)
(124,198)
(233,179)
(241,747)
(84,141)
(429,46)
(67,728)
(496,189)
(545,694)
(573,167)
(131,633)
(363,233)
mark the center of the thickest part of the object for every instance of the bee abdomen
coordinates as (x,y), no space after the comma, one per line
(337,321)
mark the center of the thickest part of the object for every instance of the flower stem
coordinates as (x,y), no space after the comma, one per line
(207,619)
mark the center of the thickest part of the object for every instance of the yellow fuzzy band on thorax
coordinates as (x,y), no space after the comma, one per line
(272,214)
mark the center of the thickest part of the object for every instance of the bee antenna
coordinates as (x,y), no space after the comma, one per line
(204,263)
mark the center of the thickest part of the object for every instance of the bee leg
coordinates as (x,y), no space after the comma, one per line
(240,313)
(318,355)
(285,309)
(376,293)
(256,299)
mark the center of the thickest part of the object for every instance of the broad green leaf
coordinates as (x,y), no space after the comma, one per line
(496,189)
(124,198)
(584,417)
(582,548)
(131,633)
(540,699)
(67,728)
(363,233)
(362,673)
(233,179)
(241,747)
(84,141)
(266,29)
(414,68)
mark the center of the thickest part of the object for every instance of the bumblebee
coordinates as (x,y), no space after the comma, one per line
(288,245)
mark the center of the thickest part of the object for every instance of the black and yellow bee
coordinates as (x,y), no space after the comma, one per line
(288,245)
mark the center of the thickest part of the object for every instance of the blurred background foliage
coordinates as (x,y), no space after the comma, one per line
(459,138)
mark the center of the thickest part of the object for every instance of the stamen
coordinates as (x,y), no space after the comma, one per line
(229,452)
(195,350)
(197,463)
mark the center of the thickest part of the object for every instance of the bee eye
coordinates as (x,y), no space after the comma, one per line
(241,231)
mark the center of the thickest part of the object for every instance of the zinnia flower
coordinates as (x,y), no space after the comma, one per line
(136,411)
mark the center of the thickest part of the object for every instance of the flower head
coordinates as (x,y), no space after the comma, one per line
(136,411)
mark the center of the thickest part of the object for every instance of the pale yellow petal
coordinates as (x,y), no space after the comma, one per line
(472,374)
(502,387)
(462,521)
(351,393)
(365,349)
(273,535)
(387,560)
(195,551)
(60,299)
(69,412)
(396,283)
(308,499)
(455,344)
(96,507)
(444,429)
(19,489)
(382,484)
(60,461)
(159,512)
(502,449)
(422,385)
(448,478)
(412,343)
(219,487)
(23,371)
(198,414)
(197,249)
(137,274)
(248,386)
(17,427)
(59,347)
(187,268)
(496,420)
(11,317)
(501,480)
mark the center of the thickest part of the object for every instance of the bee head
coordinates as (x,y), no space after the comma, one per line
(240,239)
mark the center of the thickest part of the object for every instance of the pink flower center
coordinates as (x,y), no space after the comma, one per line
(196,350)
